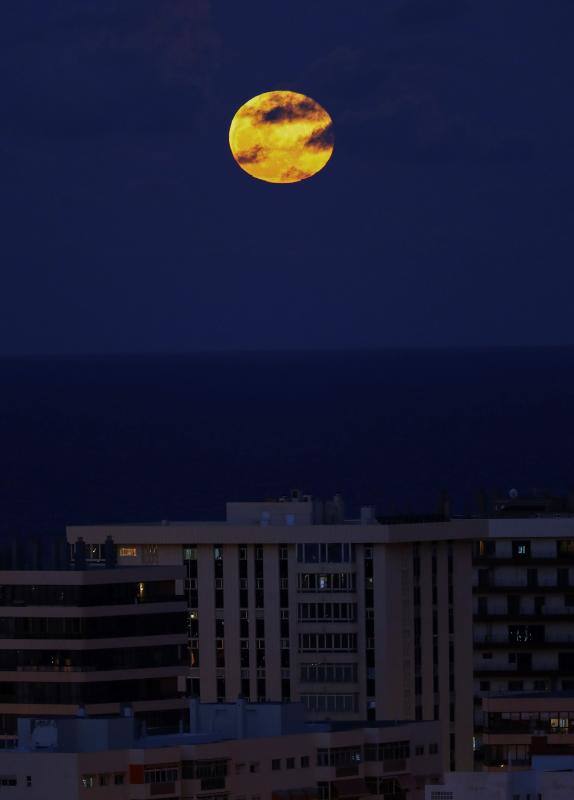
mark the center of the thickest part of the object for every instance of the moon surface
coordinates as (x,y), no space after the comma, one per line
(281,137)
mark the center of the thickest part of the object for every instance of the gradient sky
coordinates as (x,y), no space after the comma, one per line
(445,216)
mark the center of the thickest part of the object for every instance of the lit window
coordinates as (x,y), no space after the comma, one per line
(141,590)
(127,552)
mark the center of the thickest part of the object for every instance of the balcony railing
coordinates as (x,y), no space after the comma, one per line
(533,726)
(544,585)
(504,639)
(566,613)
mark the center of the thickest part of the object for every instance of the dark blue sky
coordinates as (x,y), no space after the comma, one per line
(443,218)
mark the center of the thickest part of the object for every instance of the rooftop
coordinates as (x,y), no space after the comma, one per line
(208,722)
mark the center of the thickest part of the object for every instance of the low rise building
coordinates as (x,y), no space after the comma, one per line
(550,777)
(241,750)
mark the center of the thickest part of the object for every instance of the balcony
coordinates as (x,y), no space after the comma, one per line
(503,640)
(517,561)
(540,587)
(534,727)
(512,671)
(560,615)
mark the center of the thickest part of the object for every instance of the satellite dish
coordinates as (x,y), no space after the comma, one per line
(513,494)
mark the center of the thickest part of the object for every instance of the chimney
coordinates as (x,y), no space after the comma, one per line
(318,512)
(367,515)
(80,554)
(35,551)
(483,503)
(110,553)
(444,507)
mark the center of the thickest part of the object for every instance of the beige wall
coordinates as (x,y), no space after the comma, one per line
(59,774)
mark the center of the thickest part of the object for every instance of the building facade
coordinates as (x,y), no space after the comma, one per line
(92,639)
(517,725)
(357,620)
(232,752)
(367,618)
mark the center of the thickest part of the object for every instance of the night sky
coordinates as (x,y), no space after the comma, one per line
(444,217)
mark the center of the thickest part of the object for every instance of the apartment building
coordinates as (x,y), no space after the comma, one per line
(368,618)
(518,725)
(288,602)
(92,639)
(240,750)
(524,607)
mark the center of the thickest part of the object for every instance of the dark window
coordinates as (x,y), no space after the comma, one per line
(566,548)
(276,764)
(513,604)
(484,578)
(563,576)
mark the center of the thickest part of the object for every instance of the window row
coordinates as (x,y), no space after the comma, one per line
(327,612)
(328,673)
(92,660)
(339,756)
(387,751)
(100,595)
(166,775)
(91,627)
(327,642)
(102,779)
(84,693)
(326,553)
(326,582)
(206,768)
(341,703)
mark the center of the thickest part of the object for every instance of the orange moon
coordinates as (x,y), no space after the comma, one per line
(281,137)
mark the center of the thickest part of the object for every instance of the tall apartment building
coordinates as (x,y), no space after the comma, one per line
(90,640)
(356,619)
(368,618)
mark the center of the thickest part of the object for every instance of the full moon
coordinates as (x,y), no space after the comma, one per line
(281,137)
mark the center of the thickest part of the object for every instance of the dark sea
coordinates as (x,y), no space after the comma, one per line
(118,439)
